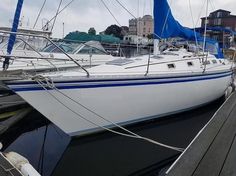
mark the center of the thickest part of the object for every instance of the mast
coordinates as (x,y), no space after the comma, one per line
(12,37)
(205,28)
(156,41)
(138,30)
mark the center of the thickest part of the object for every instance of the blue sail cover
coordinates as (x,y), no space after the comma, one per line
(15,24)
(165,26)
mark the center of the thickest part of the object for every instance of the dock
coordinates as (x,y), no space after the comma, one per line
(213,151)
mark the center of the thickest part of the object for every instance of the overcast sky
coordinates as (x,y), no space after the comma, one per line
(83,14)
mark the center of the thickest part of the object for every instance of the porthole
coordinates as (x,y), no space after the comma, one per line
(171,66)
(214,61)
(206,62)
(190,64)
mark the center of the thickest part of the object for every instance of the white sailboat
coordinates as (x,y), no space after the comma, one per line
(125,91)
(86,54)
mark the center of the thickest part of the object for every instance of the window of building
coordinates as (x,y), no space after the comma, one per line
(206,21)
(215,21)
(219,14)
(218,21)
(215,37)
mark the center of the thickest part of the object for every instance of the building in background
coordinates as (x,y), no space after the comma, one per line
(142,27)
(221,26)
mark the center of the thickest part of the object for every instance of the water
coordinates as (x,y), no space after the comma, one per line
(54,153)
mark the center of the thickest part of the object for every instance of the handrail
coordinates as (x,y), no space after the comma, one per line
(144,65)
(26,43)
(40,36)
(37,52)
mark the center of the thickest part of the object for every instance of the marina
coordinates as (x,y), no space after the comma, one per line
(154,98)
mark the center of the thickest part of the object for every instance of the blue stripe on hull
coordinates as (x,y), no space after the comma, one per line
(118,83)
(123,79)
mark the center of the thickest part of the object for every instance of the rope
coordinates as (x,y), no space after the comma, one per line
(212,6)
(205,27)
(167,15)
(128,11)
(199,16)
(40,11)
(56,15)
(111,13)
(190,7)
(144,7)
(49,83)
(125,8)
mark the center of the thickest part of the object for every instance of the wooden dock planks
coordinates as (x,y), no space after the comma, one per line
(213,152)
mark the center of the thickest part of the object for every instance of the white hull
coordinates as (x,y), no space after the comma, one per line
(123,102)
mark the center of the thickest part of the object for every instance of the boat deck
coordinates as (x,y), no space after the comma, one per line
(213,151)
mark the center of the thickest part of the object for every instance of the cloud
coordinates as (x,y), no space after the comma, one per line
(83,14)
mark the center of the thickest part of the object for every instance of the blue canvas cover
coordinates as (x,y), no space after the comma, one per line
(212,46)
(165,26)
(15,24)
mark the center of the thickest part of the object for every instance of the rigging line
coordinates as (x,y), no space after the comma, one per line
(131,135)
(58,13)
(111,13)
(199,16)
(134,15)
(59,6)
(125,8)
(212,5)
(205,27)
(138,8)
(151,6)
(167,15)
(195,34)
(40,11)
(144,7)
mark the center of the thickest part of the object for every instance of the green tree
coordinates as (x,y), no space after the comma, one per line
(115,31)
(92,31)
